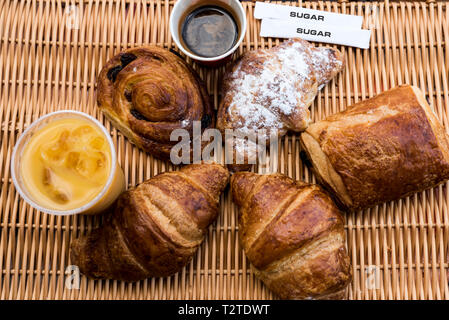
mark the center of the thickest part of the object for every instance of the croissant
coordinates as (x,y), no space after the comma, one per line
(380,149)
(148,92)
(155,228)
(293,235)
(270,90)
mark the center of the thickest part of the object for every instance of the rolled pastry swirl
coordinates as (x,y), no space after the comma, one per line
(147,92)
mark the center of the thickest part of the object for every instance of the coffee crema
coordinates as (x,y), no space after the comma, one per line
(209,31)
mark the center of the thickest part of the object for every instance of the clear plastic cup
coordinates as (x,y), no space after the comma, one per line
(115,183)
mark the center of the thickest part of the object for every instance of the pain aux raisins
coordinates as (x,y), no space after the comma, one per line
(128,96)
(125,59)
(137,114)
(113,72)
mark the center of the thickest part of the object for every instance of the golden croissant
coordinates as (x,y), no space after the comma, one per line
(155,228)
(293,235)
(148,92)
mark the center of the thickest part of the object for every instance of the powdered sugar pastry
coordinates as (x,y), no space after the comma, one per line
(273,88)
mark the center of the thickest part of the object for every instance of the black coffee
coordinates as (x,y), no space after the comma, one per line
(209,31)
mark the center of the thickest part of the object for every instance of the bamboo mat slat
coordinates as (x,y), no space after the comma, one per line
(46,66)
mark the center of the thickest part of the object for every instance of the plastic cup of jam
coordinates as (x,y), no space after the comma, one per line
(208,31)
(43,169)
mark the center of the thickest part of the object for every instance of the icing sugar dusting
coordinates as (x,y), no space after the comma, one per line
(273,88)
(322,59)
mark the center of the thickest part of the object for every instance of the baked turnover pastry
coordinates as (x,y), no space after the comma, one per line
(148,92)
(380,149)
(293,235)
(272,89)
(155,228)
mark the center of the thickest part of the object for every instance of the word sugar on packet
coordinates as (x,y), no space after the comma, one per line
(283,21)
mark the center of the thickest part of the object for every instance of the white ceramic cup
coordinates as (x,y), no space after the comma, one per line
(183,7)
(115,183)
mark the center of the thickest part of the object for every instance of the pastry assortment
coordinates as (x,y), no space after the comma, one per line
(148,92)
(293,235)
(272,89)
(380,149)
(155,228)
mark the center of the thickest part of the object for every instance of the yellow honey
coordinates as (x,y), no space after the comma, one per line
(66,164)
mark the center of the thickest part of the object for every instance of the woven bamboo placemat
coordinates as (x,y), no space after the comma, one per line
(51,52)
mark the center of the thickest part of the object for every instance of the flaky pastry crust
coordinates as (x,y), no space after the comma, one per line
(293,235)
(381,149)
